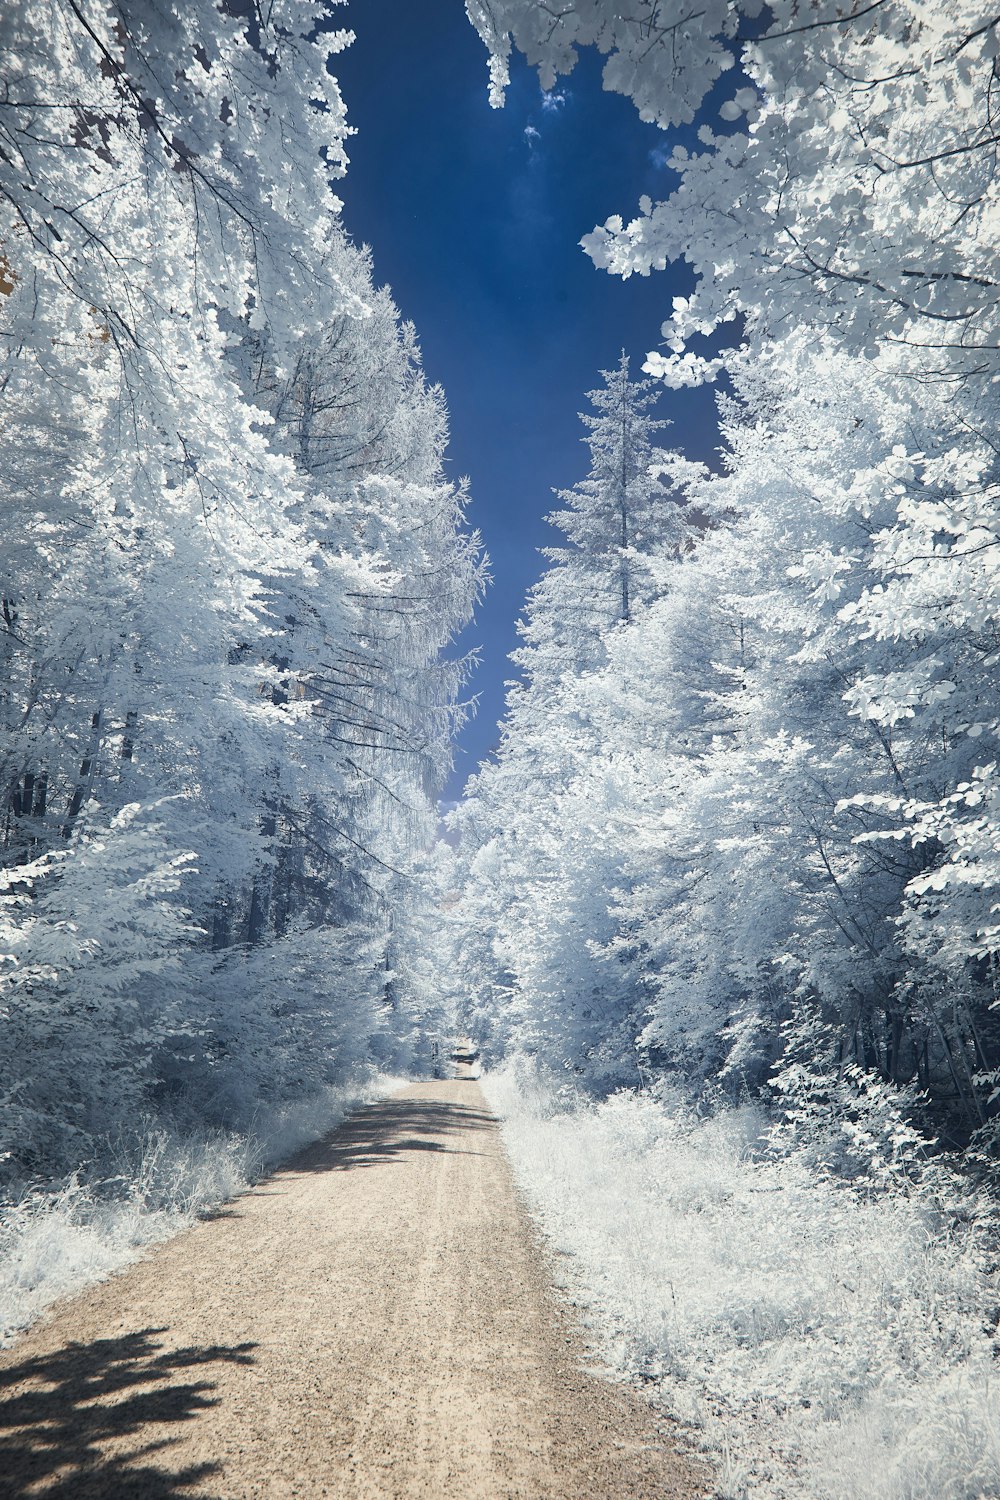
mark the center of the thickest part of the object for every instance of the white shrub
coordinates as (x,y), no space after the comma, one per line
(55,1243)
(822,1345)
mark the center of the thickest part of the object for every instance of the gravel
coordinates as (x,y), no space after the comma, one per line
(376,1320)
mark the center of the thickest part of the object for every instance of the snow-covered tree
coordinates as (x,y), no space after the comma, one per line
(611,521)
(852,183)
(747,849)
(809,801)
(538,856)
(230,569)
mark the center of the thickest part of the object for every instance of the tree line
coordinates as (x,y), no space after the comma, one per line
(230,572)
(742,829)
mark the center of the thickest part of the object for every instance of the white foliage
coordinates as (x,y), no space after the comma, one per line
(231,570)
(820,1342)
(832,200)
(55,1242)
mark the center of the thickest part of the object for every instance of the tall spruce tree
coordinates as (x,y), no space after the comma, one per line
(612,521)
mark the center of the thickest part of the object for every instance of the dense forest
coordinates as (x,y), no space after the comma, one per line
(742,829)
(721,910)
(727,891)
(230,570)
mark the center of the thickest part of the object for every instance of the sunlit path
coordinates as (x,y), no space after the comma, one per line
(373,1321)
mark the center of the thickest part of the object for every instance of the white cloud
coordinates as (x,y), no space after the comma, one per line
(553,100)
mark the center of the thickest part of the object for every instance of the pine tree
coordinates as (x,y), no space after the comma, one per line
(613,521)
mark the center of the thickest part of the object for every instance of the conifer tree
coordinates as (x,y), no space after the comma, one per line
(612,521)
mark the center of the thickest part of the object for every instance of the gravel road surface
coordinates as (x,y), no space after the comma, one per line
(373,1322)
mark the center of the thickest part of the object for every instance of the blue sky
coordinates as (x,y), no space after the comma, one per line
(475,217)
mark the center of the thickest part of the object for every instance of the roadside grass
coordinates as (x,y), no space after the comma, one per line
(819,1342)
(57,1240)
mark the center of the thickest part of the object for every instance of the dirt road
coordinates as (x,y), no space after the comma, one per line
(374,1322)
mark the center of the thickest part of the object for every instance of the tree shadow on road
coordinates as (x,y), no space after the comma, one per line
(392,1128)
(58,1412)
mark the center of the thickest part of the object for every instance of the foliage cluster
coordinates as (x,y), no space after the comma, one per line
(230,568)
(818,1340)
(746,834)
